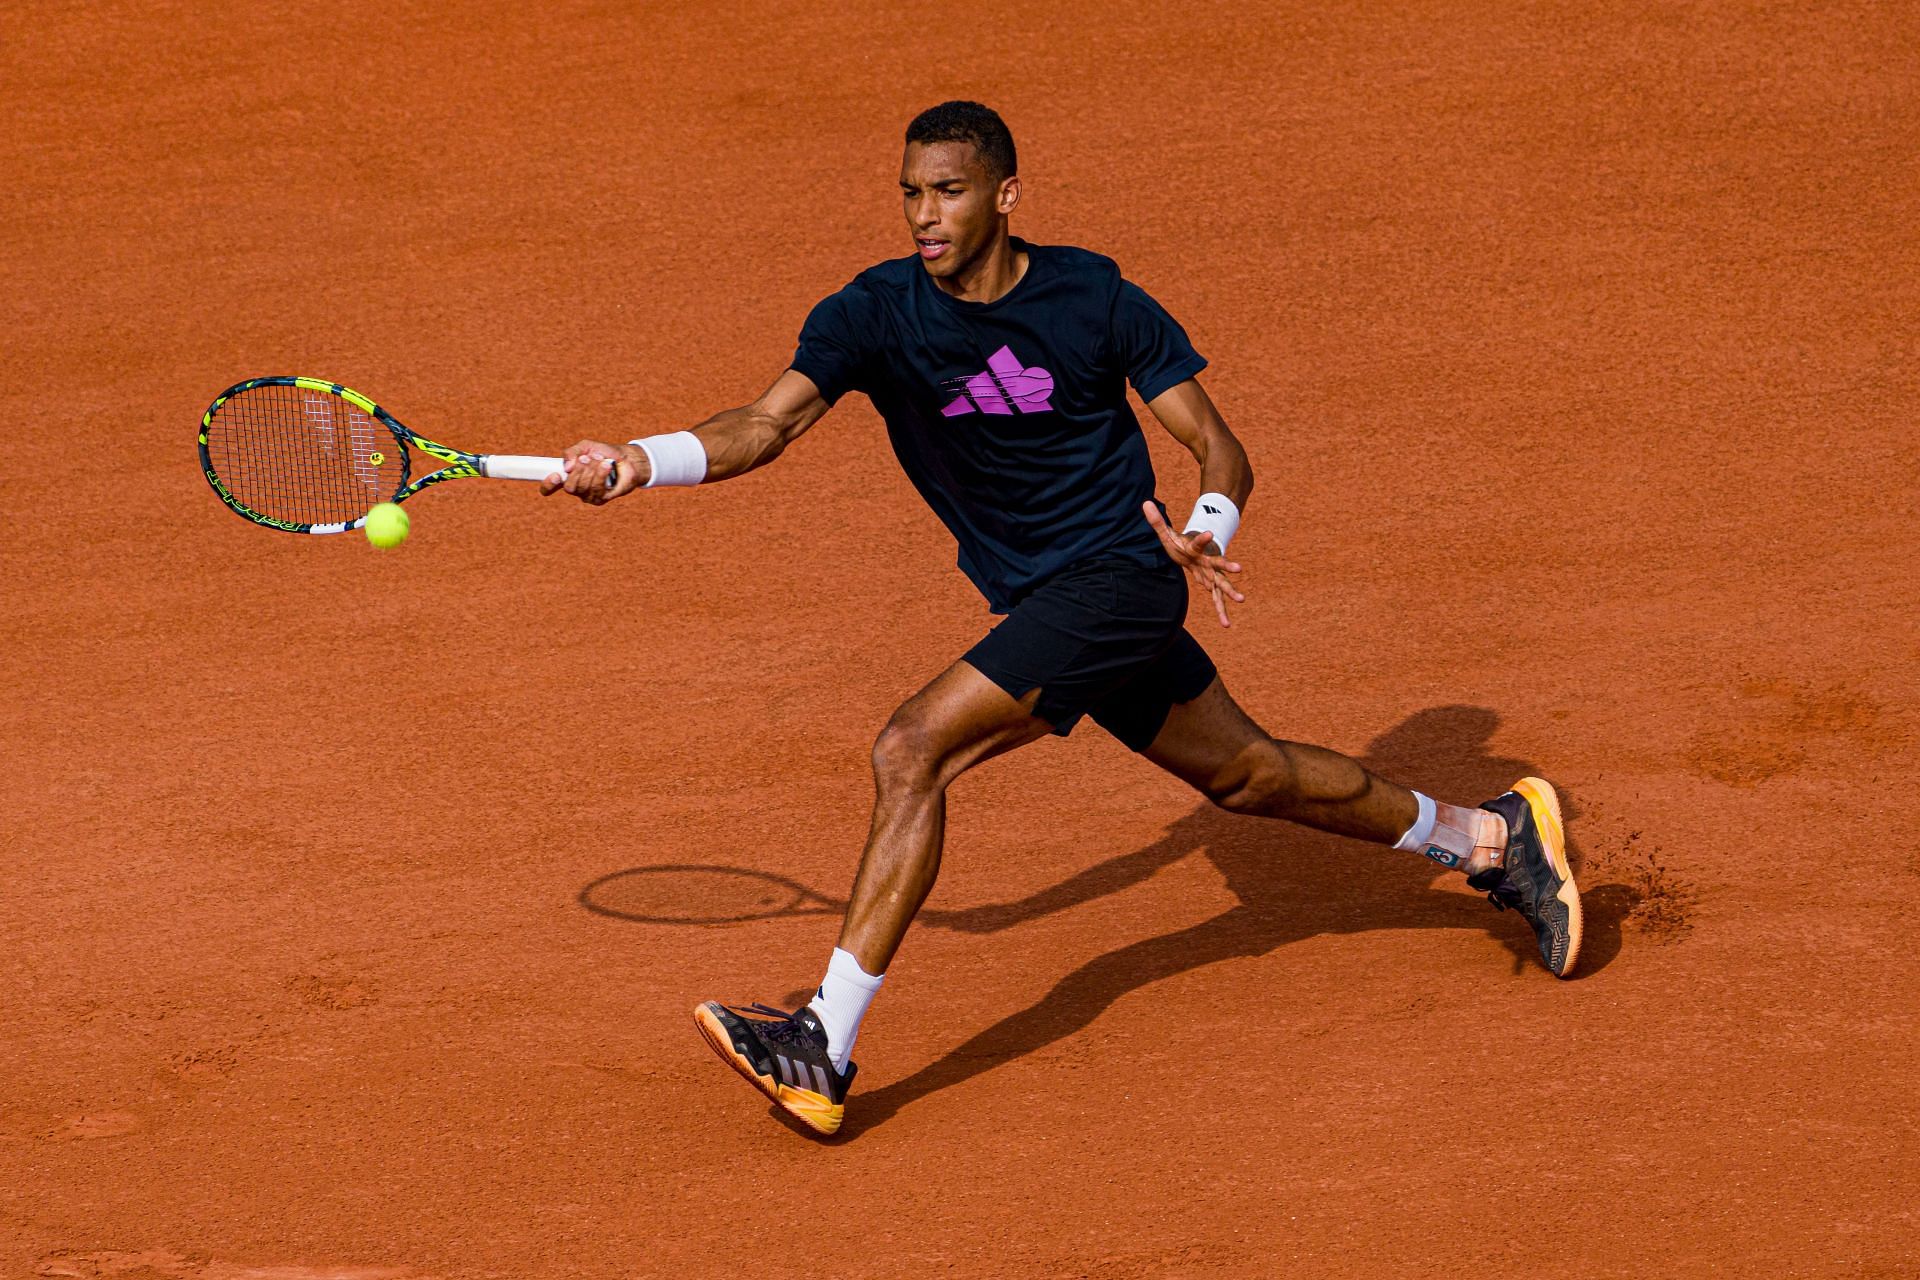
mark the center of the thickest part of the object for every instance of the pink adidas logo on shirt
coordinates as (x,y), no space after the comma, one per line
(1003,388)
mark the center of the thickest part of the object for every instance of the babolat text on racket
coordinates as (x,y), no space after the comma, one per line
(311,456)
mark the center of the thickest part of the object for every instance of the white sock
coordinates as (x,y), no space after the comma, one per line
(845,993)
(1449,834)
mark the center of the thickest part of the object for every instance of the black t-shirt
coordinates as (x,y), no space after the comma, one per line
(1011,417)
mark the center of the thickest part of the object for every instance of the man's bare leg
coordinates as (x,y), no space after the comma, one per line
(800,1059)
(1513,848)
(955,723)
(1212,745)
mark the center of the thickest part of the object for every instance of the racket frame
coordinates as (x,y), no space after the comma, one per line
(460,464)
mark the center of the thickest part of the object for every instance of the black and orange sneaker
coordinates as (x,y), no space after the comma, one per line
(784,1055)
(1536,880)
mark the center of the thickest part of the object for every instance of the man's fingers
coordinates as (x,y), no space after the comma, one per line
(1168,538)
(1182,547)
(584,468)
(557,482)
(595,482)
(1173,542)
(1214,566)
(1219,605)
(587,477)
(1219,582)
(1217,586)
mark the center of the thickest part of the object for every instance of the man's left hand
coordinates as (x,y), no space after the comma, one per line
(1189,551)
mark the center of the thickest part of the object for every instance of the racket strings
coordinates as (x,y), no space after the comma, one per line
(304,456)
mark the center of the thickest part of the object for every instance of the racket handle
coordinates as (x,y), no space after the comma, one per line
(516,466)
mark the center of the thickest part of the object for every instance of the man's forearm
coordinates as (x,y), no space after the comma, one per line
(735,440)
(1224,473)
(739,440)
(1224,468)
(1189,415)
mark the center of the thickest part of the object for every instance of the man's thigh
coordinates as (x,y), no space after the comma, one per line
(960,719)
(1208,741)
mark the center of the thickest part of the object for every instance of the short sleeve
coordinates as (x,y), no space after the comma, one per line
(836,340)
(1151,345)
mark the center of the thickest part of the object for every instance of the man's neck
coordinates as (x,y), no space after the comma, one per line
(988,280)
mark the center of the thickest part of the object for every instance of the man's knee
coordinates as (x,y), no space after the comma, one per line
(907,755)
(1257,779)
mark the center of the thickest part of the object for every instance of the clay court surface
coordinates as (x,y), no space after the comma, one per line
(1576,355)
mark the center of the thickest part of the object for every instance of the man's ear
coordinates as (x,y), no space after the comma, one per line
(1009,195)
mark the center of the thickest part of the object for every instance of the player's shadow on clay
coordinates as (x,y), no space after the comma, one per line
(1291,884)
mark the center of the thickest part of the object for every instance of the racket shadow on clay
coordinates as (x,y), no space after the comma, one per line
(701,893)
(707,894)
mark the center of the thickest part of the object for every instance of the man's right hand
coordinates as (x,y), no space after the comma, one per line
(585,472)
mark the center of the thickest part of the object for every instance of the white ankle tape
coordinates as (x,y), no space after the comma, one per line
(1422,829)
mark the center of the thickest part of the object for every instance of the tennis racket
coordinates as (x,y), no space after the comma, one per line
(310,456)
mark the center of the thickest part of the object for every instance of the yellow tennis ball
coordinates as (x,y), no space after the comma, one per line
(387,525)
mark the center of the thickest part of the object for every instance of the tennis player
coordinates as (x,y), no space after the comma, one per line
(1001,370)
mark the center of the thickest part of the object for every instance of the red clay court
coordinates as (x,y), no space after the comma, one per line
(1575,349)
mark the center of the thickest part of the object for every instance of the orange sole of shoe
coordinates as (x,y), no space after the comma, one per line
(1545,803)
(812,1110)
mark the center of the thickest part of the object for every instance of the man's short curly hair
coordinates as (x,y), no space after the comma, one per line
(961,121)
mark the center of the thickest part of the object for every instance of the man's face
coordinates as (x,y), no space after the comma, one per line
(954,207)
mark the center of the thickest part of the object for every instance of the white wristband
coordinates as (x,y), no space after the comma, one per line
(676,459)
(1215,513)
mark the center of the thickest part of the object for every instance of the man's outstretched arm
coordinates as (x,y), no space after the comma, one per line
(1189,415)
(734,442)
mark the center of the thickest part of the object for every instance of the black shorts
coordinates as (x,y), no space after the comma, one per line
(1102,638)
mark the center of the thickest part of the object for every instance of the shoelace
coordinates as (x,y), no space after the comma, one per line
(1503,894)
(785,1027)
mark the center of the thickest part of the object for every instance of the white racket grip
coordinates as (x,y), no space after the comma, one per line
(519,466)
